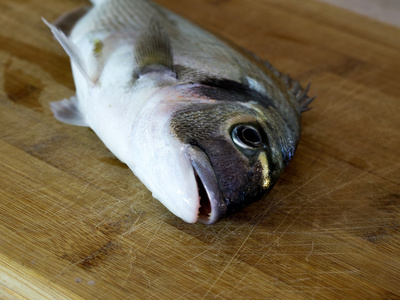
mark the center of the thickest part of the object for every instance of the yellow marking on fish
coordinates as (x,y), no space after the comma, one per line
(265,169)
(98,46)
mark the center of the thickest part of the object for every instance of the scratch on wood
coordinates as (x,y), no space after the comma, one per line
(312,249)
(130,268)
(303,185)
(152,238)
(229,262)
(290,225)
(133,227)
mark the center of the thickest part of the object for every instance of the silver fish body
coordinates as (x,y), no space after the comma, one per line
(208,129)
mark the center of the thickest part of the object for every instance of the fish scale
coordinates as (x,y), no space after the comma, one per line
(206,126)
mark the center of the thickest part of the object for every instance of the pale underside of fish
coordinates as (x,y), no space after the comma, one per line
(206,127)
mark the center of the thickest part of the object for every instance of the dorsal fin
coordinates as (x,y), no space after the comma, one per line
(299,92)
(293,85)
(153,50)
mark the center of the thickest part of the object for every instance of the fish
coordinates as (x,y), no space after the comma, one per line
(205,125)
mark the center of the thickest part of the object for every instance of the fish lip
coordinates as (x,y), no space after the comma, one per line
(206,179)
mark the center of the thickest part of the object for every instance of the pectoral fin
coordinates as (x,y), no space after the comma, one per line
(153,50)
(72,51)
(68,111)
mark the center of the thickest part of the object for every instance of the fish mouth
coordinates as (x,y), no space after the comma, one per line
(212,206)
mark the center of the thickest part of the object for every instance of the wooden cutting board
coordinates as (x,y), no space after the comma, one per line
(76,224)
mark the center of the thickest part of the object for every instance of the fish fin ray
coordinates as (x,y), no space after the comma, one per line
(67,111)
(70,48)
(300,93)
(153,50)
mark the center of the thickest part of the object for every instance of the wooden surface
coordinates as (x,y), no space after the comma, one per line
(75,223)
(387,11)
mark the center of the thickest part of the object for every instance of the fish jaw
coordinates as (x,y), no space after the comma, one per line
(160,160)
(212,206)
(168,173)
(185,183)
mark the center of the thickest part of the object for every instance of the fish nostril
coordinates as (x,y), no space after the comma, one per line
(205,204)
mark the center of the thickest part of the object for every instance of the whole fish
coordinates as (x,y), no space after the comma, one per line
(206,127)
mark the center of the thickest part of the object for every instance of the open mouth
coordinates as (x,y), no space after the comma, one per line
(211,203)
(205,203)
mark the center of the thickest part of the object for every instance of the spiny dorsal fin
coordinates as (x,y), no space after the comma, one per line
(294,86)
(153,50)
(299,92)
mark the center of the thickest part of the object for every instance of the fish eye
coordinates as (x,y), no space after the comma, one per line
(247,137)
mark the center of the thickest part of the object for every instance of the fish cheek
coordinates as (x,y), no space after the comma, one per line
(230,167)
(242,178)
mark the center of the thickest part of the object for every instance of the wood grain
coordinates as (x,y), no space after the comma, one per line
(76,224)
(387,11)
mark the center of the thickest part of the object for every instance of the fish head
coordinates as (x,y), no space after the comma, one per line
(237,150)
